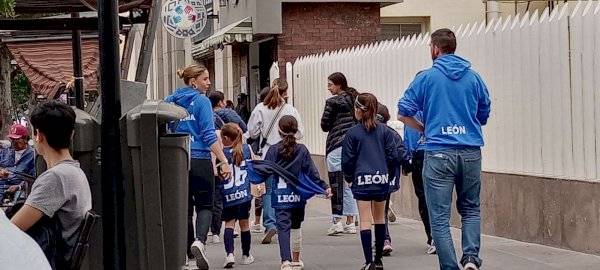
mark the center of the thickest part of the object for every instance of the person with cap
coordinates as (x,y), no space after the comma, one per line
(242,107)
(18,158)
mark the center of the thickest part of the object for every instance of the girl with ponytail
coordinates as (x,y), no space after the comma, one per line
(369,150)
(263,125)
(236,195)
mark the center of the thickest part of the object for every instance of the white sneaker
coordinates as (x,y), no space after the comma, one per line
(229,261)
(199,253)
(336,228)
(246,260)
(216,239)
(392,215)
(350,228)
(287,265)
(298,265)
(431,248)
(471,266)
(255,228)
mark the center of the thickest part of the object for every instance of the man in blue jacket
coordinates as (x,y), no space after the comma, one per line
(19,157)
(455,104)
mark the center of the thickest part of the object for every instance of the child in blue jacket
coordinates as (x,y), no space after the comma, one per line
(289,197)
(235,192)
(368,153)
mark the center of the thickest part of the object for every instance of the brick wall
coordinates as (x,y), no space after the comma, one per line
(310,28)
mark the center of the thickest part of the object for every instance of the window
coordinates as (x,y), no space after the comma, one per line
(400,30)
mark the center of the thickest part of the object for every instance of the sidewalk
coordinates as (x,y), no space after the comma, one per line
(344,252)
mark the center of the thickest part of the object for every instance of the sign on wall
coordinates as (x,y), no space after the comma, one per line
(184,18)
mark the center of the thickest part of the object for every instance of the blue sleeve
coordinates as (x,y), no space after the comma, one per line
(392,154)
(311,171)
(272,154)
(203,112)
(349,157)
(412,101)
(484,103)
(238,120)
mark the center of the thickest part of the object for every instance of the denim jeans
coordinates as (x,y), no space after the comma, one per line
(268,212)
(443,170)
(334,164)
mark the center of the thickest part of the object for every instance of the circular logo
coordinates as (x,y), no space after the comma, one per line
(184,18)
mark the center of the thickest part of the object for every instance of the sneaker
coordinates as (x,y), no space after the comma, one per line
(216,239)
(255,228)
(350,229)
(387,248)
(190,263)
(229,261)
(431,249)
(236,234)
(469,263)
(287,265)
(379,265)
(246,260)
(369,266)
(268,236)
(391,215)
(336,228)
(199,253)
(298,265)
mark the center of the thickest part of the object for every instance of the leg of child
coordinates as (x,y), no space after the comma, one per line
(296,235)
(379,220)
(228,236)
(387,208)
(284,223)
(364,209)
(258,203)
(245,235)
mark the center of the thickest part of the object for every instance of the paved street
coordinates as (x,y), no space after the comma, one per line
(343,252)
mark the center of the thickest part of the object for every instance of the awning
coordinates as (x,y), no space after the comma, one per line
(49,64)
(240,31)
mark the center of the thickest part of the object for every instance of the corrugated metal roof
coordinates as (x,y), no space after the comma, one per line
(49,64)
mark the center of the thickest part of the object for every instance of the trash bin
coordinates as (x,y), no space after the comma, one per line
(156,166)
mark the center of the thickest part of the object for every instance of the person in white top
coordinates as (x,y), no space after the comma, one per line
(263,124)
(18,250)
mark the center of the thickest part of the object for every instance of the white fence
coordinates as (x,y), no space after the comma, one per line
(542,70)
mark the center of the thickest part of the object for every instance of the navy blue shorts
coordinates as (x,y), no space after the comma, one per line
(371,197)
(237,212)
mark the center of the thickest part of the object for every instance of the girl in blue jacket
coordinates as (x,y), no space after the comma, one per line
(200,125)
(287,201)
(235,192)
(368,151)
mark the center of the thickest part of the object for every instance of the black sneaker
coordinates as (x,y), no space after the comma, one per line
(368,266)
(469,263)
(378,265)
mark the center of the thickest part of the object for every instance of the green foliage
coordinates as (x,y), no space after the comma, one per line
(7,7)
(20,87)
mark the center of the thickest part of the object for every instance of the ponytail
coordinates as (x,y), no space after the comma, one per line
(275,97)
(288,127)
(352,92)
(234,133)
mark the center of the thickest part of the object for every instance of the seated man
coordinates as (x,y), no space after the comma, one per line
(61,195)
(19,157)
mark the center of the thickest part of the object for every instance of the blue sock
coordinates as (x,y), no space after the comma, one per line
(228,240)
(365,239)
(379,241)
(246,240)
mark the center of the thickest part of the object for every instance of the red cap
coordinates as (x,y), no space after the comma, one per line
(17,131)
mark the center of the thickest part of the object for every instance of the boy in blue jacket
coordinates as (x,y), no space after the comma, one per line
(368,153)
(296,180)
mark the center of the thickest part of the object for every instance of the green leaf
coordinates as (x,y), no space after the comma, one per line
(7,7)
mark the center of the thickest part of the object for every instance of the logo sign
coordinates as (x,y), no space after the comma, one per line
(184,18)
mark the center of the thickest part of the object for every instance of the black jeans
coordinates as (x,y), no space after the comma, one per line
(201,197)
(417,178)
(216,225)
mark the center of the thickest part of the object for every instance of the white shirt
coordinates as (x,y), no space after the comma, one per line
(19,155)
(18,250)
(261,119)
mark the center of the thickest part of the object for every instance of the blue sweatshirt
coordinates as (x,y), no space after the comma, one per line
(199,124)
(412,138)
(230,116)
(236,190)
(285,195)
(455,104)
(366,157)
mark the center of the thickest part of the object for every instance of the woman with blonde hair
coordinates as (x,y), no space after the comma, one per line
(263,124)
(200,125)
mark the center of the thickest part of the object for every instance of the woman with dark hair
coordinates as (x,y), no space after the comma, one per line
(369,153)
(338,117)
(263,124)
(225,114)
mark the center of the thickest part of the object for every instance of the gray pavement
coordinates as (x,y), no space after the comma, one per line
(344,252)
